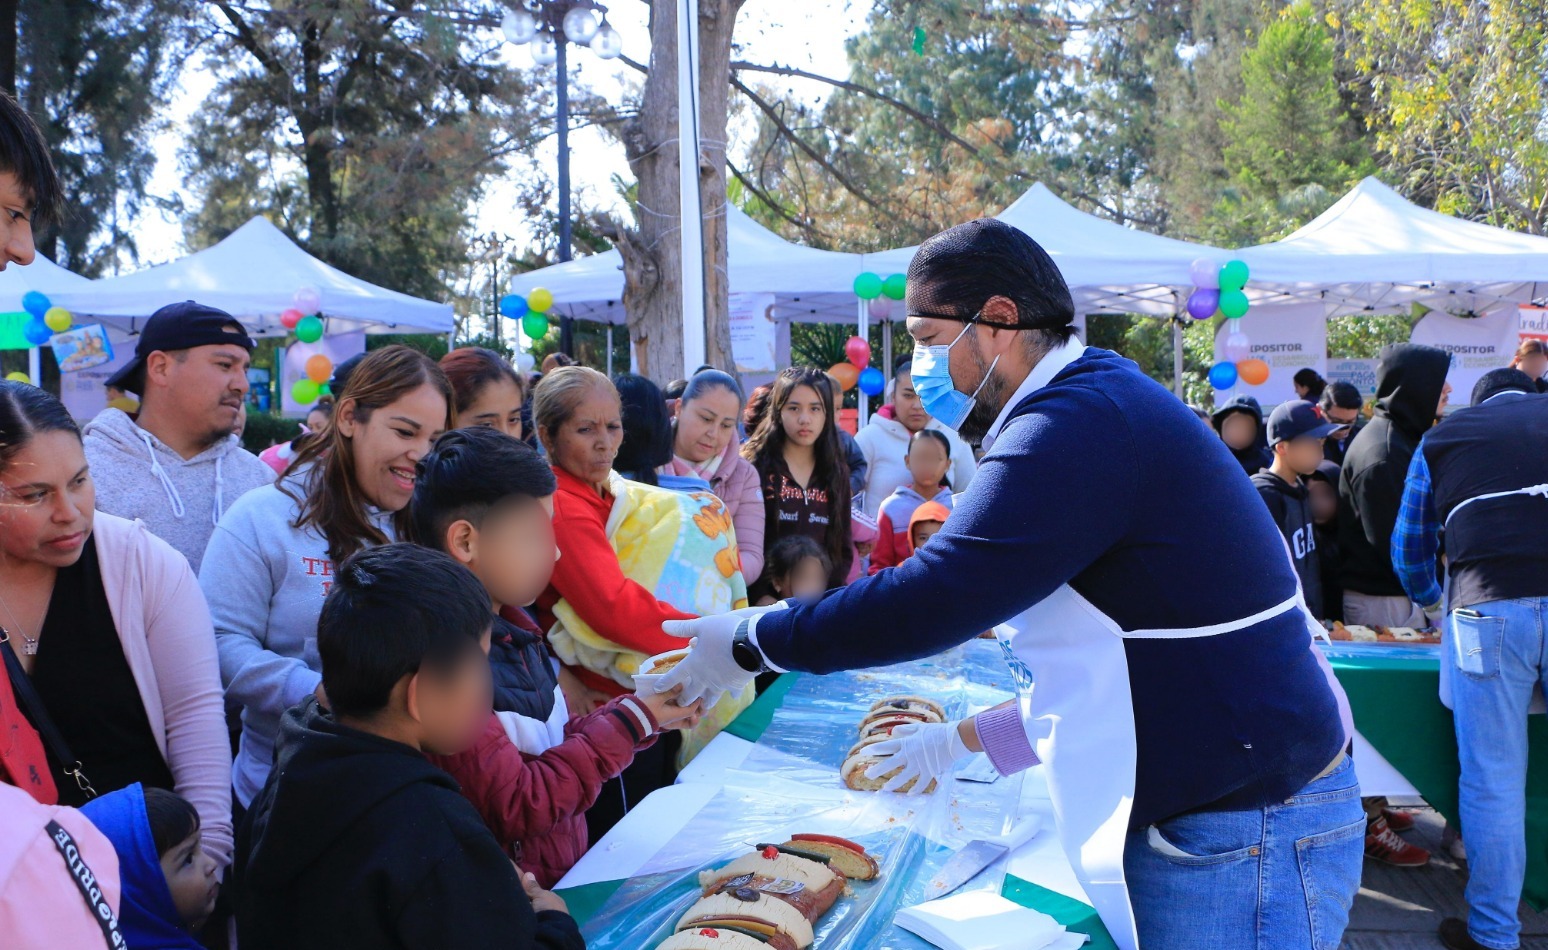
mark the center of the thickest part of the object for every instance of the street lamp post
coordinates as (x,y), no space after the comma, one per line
(549,26)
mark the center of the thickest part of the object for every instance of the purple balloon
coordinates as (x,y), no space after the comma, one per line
(1205,274)
(1203,303)
(880,308)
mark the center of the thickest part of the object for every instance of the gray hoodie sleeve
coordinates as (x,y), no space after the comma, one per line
(262,653)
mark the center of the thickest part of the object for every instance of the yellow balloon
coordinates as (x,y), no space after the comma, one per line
(19,378)
(57,319)
(540,300)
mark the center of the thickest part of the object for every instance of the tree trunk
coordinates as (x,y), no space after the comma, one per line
(651,251)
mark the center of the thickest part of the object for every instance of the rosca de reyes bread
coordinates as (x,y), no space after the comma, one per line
(785,927)
(714,938)
(890,713)
(844,856)
(806,883)
(854,768)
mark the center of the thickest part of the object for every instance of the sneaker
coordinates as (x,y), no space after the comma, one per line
(1398,820)
(1383,844)
(1453,933)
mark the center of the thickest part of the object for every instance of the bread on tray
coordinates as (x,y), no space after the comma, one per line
(808,884)
(715,938)
(844,856)
(876,726)
(784,927)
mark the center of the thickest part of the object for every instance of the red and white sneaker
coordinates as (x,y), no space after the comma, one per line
(1383,844)
(1398,820)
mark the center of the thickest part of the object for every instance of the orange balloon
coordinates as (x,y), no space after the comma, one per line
(846,374)
(1253,372)
(318,368)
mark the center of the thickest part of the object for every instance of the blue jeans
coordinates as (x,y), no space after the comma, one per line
(1273,878)
(1498,655)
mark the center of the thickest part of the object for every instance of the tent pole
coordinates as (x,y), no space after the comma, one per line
(887,352)
(690,211)
(35,366)
(609,351)
(1177,356)
(862,400)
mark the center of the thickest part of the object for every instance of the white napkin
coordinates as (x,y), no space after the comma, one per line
(980,920)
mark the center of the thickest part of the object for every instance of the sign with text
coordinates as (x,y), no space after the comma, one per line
(752,332)
(1476,345)
(1287,337)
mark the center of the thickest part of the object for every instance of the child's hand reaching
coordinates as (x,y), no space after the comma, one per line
(542,900)
(668,714)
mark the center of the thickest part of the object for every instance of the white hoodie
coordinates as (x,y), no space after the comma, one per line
(884,441)
(180,500)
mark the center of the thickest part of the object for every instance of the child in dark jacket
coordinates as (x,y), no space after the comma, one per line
(1322,493)
(357,840)
(1240,425)
(487,500)
(168,882)
(1296,431)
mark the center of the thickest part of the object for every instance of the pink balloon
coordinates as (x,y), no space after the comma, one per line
(881,307)
(291,317)
(858,351)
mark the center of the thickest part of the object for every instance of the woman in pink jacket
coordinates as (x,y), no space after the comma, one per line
(108,631)
(705,444)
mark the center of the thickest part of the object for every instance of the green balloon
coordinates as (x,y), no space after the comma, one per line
(309,330)
(325,390)
(894,286)
(304,392)
(1233,303)
(534,325)
(1233,276)
(868,286)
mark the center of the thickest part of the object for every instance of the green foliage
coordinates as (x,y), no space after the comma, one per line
(1362,337)
(264,429)
(432,345)
(96,77)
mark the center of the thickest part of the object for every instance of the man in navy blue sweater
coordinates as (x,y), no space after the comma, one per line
(1192,737)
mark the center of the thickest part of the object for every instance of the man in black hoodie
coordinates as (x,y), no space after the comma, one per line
(357,840)
(1411,392)
(1239,423)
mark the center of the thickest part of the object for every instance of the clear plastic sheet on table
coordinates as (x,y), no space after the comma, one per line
(1392,651)
(645,909)
(818,721)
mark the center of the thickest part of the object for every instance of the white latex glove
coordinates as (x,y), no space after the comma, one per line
(925,752)
(709,671)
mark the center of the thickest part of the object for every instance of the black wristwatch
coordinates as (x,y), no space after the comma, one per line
(747,656)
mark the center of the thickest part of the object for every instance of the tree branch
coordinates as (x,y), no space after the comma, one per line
(249,41)
(768,200)
(800,143)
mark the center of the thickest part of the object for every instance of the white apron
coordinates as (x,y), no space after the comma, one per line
(1079,716)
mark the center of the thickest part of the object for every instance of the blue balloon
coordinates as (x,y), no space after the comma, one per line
(1222,375)
(35,303)
(37,332)
(872,382)
(513,306)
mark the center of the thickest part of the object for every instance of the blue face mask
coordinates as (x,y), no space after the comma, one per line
(931,372)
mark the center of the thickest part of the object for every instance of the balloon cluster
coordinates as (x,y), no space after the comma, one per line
(1218,290)
(302,316)
(869,286)
(47,319)
(857,369)
(531,310)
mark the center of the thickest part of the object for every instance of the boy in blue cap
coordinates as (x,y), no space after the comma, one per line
(1296,431)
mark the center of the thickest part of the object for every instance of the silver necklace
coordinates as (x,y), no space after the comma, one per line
(29,644)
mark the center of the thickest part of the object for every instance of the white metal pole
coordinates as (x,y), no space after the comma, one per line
(691,214)
(864,401)
(609,351)
(35,366)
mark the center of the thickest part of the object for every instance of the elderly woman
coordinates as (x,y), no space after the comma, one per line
(704,445)
(109,639)
(632,557)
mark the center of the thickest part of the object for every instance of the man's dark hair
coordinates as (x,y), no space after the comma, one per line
(171,818)
(394,610)
(469,471)
(24,153)
(1342,394)
(1496,381)
(954,274)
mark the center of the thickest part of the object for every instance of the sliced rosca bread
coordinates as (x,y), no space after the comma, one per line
(785,926)
(889,716)
(844,856)
(867,740)
(715,938)
(915,703)
(853,773)
(806,883)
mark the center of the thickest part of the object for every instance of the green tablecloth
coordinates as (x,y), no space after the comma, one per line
(586,900)
(1397,708)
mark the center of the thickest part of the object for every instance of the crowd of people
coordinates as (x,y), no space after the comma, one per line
(373,687)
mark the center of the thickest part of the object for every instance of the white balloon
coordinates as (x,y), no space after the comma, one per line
(579,25)
(1236,347)
(607,44)
(544,50)
(518,26)
(525,361)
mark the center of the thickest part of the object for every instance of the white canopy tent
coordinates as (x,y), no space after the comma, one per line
(1375,250)
(253,274)
(809,284)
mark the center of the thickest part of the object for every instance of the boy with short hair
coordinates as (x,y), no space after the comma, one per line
(357,840)
(1296,432)
(486,499)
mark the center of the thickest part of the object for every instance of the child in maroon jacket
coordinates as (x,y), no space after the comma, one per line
(487,500)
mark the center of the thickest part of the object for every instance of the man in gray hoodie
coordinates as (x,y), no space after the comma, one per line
(177,465)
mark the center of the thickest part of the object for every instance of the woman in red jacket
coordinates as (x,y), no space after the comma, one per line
(580,421)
